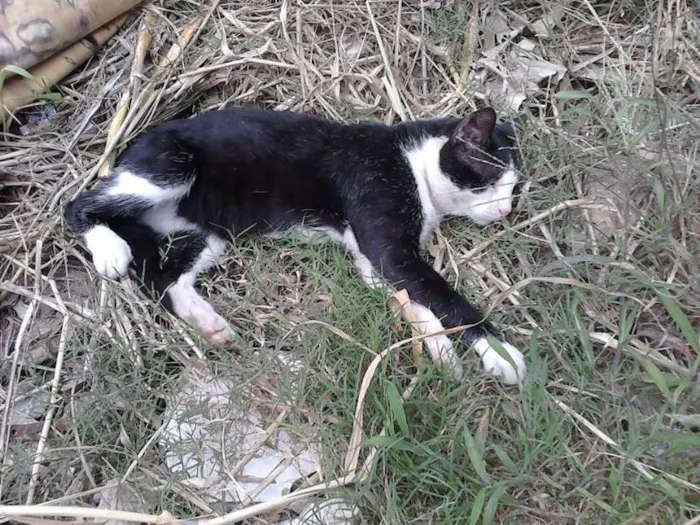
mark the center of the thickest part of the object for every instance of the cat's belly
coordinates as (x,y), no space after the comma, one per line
(164,219)
(311,235)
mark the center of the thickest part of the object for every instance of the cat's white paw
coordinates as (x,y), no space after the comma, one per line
(499,367)
(111,254)
(217,330)
(442,353)
(198,313)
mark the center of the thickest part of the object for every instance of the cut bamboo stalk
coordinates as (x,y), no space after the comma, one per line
(142,45)
(19,91)
(34,31)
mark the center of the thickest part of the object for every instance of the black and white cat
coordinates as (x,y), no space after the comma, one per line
(186,187)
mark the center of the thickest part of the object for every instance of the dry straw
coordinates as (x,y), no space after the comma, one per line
(342,60)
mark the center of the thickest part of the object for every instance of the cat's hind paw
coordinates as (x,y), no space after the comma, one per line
(218,331)
(498,366)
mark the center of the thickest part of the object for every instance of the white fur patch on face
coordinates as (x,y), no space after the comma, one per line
(496,202)
(111,254)
(439,347)
(499,367)
(441,197)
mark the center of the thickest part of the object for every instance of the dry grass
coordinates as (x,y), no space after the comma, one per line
(596,274)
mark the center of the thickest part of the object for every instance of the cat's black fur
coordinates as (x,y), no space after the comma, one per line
(243,171)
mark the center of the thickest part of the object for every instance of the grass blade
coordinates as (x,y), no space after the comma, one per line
(475,455)
(477,506)
(396,407)
(681,320)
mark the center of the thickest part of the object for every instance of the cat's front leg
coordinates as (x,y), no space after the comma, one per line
(396,258)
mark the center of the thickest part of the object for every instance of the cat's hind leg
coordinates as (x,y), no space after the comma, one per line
(184,256)
(155,173)
(121,197)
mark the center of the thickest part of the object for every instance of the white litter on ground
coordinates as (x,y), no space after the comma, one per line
(223,447)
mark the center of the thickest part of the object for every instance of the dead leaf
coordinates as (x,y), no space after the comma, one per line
(120,495)
(31,431)
(31,404)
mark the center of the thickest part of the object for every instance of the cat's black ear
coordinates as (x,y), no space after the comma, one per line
(510,128)
(475,131)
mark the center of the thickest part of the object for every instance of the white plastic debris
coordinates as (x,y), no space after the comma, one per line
(218,440)
(222,448)
(120,495)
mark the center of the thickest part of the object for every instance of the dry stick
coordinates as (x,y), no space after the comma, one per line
(624,56)
(142,45)
(4,434)
(469,47)
(573,203)
(150,94)
(18,511)
(72,308)
(4,427)
(693,521)
(388,80)
(635,347)
(51,411)
(260,441)
(143,451)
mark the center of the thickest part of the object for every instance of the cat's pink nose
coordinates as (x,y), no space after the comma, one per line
(504,210)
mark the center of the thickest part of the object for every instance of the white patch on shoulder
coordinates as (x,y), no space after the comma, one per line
(128,183)
(441,197)
(499,367)
(111,254)
(424,159)
(439,347)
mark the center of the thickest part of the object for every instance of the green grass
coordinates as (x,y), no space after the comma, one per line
(589,438)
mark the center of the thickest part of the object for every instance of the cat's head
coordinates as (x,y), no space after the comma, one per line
(479,160)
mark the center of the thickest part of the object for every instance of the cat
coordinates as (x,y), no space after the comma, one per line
(184,188)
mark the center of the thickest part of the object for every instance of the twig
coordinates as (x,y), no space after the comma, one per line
(641,467)
(573,203)
(142,45)
(4,428)
(55,397)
